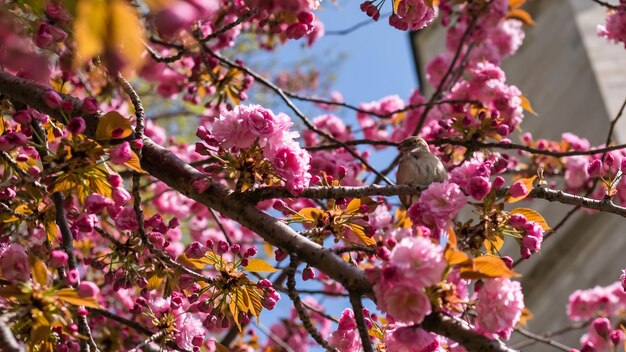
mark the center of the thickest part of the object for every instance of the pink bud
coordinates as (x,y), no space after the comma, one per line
(120,196)
(137,144)
(498,182)
(87,289)
(90,105)
(52,99)
(76,126)
(508,261)
(594,169)
(58,258)
(115,180)
(616,336)
(306,17)
(196,250)
(67,106)
(72,276)
(297,31)
(280,255)
(518,189)
(121,153)
(201,184)
(22,117)
(308,273)
(157,239)
(602,326)
(609,160)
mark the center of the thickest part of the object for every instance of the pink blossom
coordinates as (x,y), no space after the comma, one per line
(439,203)
(126,220)
(478,187)
(418,260)
(291,163)
(404,301)
(121,153)
(14,262)
(120,196)
(415,13)
(189,328)
(499,307)
(232,128)
(401,338)
(615,28)
(346,337)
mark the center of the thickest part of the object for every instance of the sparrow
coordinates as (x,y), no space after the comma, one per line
(417,166)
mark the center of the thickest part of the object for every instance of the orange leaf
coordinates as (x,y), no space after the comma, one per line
(526,105)
(134,163)
(493,246)
(431,3)
(487,267)
(40,272)
(532,215)
(69,295)
(395,5)
(360,232)
(353,206)
(454,256)
(521,15)
(452,236)
(528,182)
(516,3)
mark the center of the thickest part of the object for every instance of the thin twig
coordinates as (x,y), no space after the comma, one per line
(606,4)
(297,303)
(149,340)
(356,26)
(543,339)
(357,308)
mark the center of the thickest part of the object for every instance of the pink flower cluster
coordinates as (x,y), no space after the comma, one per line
(410,339)
(601,337)
(437,205)
(532,232)
(615,28)
(412,15)
(586,304)
(499,307)
(414,263)
(14,262)
(346,338)
(248,124)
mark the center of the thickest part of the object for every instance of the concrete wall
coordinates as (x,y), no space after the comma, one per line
(576,82)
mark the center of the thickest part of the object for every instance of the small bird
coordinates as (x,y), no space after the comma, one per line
(417,166)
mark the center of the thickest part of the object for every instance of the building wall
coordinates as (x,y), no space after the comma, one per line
(576,82)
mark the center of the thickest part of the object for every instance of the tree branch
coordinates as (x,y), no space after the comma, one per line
(165,166)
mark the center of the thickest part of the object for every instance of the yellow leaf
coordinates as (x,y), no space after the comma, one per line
(134,163)
(353,206)
(257,265)
(111,121)
(454,256)
(395,5)
(526,105)
(40,272)
(528,182)
(360,232)
(232,306)
(21,209)
(1,125)
(521,15)
(309,214)
(486,267)
(70,296)
(90,29)
(532,215)
(154,282)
